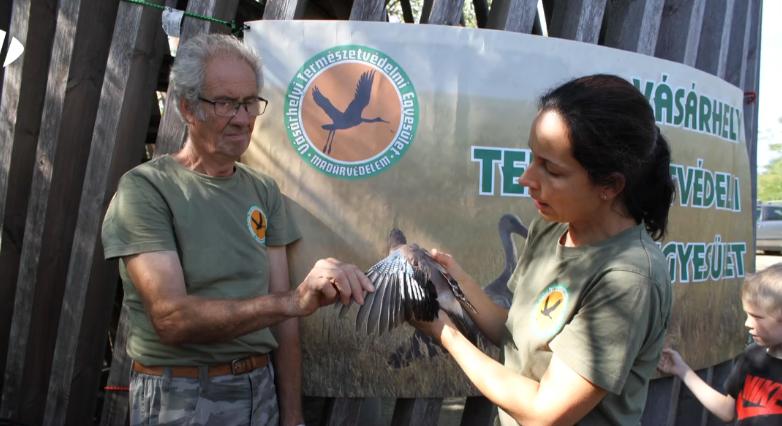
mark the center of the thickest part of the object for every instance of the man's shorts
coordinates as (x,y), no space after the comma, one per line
(244,399)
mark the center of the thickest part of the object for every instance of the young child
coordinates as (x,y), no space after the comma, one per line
(754,385)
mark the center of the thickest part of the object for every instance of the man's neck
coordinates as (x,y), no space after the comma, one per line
(191,159)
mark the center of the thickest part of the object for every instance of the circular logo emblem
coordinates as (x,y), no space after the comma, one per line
(256,223)
(548,315)
(351,112)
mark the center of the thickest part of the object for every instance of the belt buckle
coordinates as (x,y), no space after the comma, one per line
(238,366)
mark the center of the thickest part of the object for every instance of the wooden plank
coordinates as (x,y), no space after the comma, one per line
(172,131)
(284,9)
(443,12)
(689,410)
(721,372)
(661,402)
(633,25)
(343,411)
(62,155)
(680,30)
(478,411)
(67,16)
(750,84)
(368,10)
(577,20)
(115,408)
(128,87)
(416,411)
(513,15)
(735,66)
(20,119)
(712,48)
(481,9)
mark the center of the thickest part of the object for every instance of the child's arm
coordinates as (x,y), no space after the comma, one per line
(722,406)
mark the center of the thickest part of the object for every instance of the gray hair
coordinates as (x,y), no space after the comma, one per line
(187,73)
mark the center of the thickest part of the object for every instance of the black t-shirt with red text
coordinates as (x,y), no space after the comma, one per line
(756,384)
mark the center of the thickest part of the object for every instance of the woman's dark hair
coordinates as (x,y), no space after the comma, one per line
(612,130)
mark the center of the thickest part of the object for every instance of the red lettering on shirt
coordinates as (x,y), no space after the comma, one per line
(759,397)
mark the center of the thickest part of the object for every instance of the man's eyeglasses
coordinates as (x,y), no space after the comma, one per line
(254,107)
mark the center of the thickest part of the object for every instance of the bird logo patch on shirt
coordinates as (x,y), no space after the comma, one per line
(257,224)
(351,111)
(549,310)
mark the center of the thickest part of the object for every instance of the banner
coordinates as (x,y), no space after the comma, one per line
(372,126)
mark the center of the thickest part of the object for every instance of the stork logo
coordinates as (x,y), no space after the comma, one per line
(351,112)
(257,224)
(548,316)
(15,49)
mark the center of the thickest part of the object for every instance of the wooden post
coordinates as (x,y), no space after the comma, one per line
(661,402)
(368,10)
(578,20)
(750,84)
(172,131)
(128,87)
(115,409)
(84,30)
(633,26)
(478,411)
(713,47)
(736,66)
(20,119)
(443,12)
(67,16)
(513,15)
(416,411)
(283,9)
(680,31)
(343,411)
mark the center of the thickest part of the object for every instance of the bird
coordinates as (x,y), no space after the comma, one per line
(498,289)
(351,117)
(409,285)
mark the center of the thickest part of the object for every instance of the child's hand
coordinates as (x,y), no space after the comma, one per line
(672,363)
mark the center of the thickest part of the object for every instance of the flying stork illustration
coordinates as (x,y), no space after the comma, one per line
(351,117)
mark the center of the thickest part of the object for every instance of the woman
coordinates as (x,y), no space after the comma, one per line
(592,297)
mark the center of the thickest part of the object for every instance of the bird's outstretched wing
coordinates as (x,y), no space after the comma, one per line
(325,104)
(361,97)
(402,292)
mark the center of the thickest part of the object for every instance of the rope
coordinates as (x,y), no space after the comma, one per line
(236,28)
(116,388)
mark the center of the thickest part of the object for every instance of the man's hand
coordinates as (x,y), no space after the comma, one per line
(329,280)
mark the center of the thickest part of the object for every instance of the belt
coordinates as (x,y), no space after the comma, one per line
(235,367)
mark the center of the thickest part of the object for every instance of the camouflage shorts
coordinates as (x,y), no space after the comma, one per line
(245,399)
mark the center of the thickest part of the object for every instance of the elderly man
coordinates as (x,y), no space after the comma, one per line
(202,240)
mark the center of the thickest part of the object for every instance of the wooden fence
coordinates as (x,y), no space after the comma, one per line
(76,111)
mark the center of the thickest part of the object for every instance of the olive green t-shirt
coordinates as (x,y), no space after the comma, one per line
(603,309)
(219,226)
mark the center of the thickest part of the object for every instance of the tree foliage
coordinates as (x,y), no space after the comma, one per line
(770,181)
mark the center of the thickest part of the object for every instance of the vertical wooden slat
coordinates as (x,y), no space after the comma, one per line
(661,402)
(171,133)
(20,120)
(689,410)
(735,66)
(577,19)
(478,411)
(115,407)
(75,74)
(680,31)
(67,16)
(343,411)
(128,86)
(721,372)
(633,25)
(443,12)
(368,10)
(513,15)
(712,48)
(284,9)
(416,411)
(750,84)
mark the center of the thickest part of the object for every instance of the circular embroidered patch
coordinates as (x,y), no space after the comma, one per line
(257,224)
(548,315)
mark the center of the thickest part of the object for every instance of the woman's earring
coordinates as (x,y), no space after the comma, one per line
(604,196)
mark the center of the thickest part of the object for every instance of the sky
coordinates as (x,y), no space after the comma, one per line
(770,91)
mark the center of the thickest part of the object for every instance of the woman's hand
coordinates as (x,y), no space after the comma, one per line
(434,328)
(449,263)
